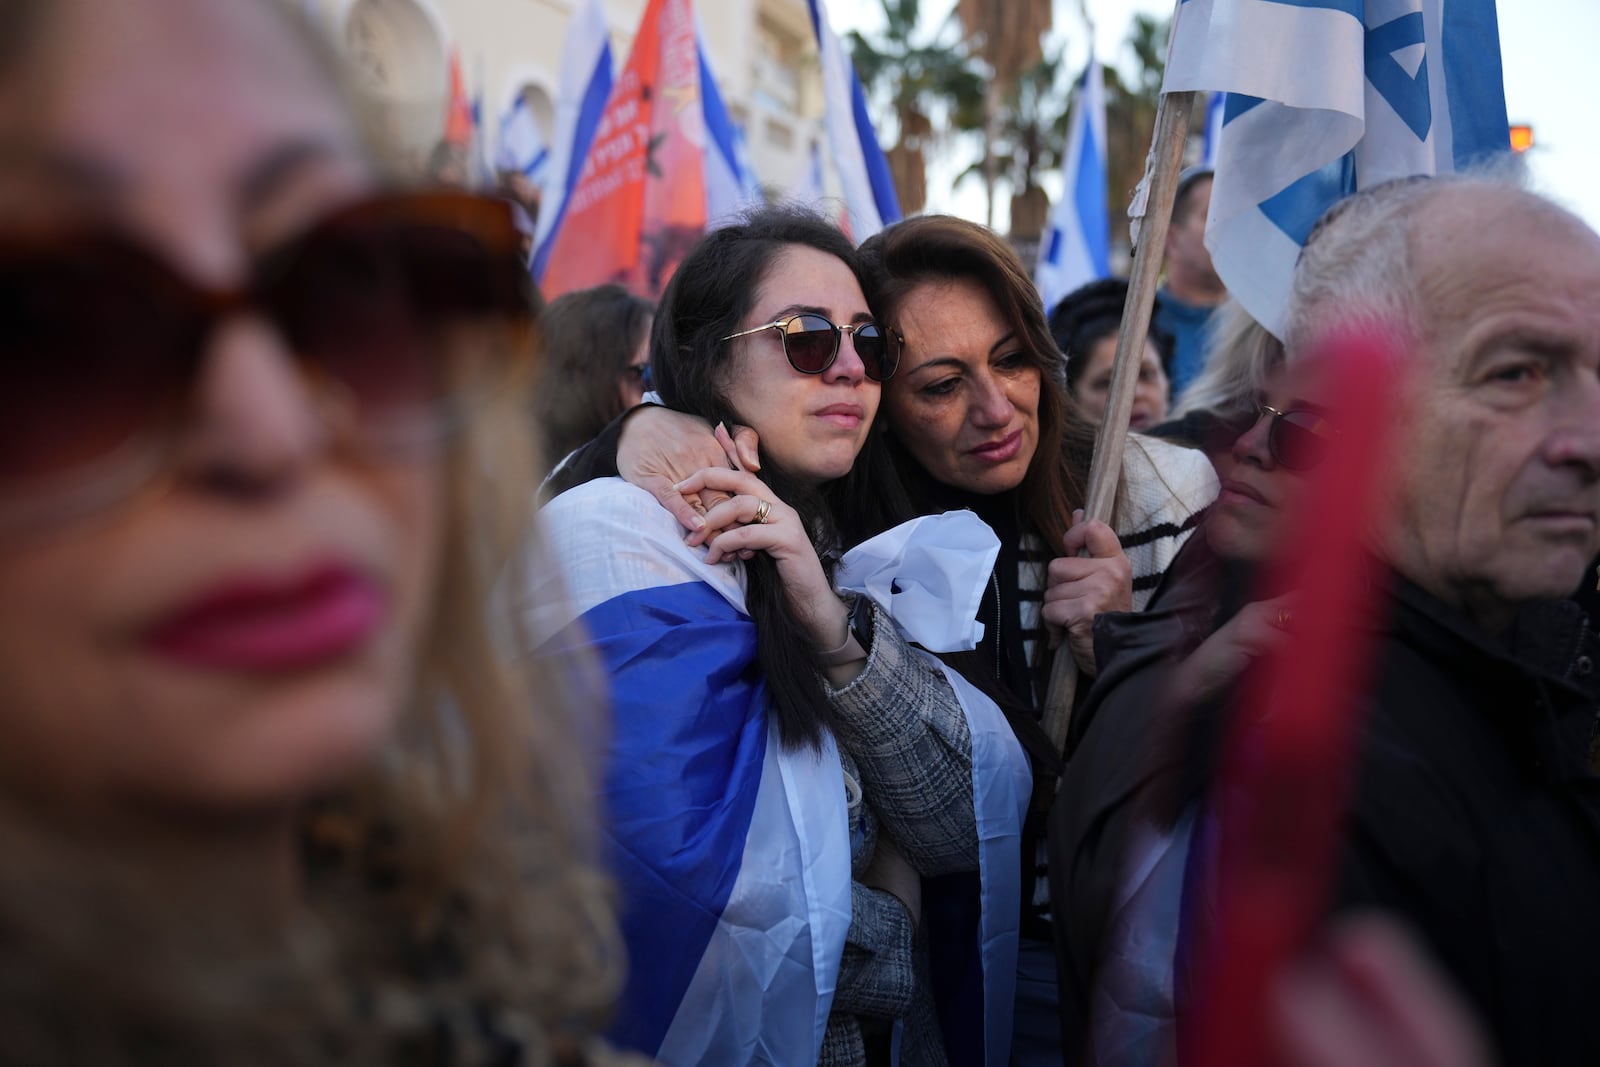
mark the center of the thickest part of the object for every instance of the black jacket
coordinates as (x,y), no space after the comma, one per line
(1135,757)
(1477,816)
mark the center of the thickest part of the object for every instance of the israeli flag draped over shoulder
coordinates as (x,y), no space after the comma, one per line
(1326,97)
(732,854)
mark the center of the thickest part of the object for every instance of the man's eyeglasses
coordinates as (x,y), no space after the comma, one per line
(811,344)
(639,372)
(1298,438)
(103,341)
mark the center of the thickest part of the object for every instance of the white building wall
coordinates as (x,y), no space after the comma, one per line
(761,51)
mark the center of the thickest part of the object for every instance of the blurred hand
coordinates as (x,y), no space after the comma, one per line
(1369,997)
(660,448)
(1258,628)
(1079,588)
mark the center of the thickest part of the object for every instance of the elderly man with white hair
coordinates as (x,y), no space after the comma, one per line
(1476,813)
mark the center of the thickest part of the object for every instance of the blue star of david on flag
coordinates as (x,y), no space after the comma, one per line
(1326,97)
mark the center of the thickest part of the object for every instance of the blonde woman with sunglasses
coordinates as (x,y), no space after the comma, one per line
(271,791)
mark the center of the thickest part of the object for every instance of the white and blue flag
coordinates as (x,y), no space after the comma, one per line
(863,171)
(586,75)
(1325,97)
(1076,246)
(731,854)
(731,183)
(520,148)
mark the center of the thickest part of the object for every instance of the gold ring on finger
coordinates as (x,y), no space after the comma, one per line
(763,509)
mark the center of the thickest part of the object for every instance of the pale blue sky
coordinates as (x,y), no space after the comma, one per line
(1545,47)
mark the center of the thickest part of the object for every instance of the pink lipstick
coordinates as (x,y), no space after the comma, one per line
(270,625)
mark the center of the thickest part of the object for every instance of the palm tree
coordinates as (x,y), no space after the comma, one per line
(1007,35)
(920,80)
(1031,137)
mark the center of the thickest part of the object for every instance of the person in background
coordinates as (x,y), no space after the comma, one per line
(1192,290)
(1120,831)
(524,190)
(979,417)
(1476,815)
(447,165)
(272,790)
(596,353)
(524,224)
(1222,401)
(1085,325)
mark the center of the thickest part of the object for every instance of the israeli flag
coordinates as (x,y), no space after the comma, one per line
(732,854)
(863,171)
(1325,97)
(586,76)
(1076,246)
(731,183)
(521,148)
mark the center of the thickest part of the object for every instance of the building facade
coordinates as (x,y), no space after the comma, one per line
(762,52)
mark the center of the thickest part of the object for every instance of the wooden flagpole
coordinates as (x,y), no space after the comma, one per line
(1171,137)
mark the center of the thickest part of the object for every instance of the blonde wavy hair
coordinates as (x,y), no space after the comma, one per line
(453,895)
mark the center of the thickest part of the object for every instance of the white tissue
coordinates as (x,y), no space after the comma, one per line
(929,575)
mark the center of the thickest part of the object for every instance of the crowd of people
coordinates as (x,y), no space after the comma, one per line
(333,736)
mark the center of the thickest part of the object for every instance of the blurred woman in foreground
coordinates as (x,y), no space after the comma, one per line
(270,793)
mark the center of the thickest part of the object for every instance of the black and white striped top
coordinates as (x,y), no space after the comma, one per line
(1165,491)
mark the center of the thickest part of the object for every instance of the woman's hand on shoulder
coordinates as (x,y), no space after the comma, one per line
(748,519)
(1258,628)
(660,447)
(1080,587)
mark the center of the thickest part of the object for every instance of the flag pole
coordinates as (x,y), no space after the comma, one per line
(1171,137)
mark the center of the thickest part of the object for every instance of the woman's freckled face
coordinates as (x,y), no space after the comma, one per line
(965,402)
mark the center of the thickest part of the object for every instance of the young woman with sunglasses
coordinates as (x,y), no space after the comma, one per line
(765,324)
(978,418)
(271,790)
(1150,725)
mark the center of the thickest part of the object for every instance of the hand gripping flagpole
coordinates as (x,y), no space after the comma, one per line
(1166,159)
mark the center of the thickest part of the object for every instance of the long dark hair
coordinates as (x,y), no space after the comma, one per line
(712,291)
(941,248)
